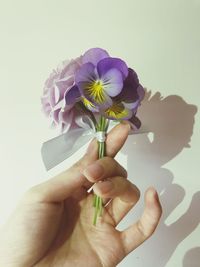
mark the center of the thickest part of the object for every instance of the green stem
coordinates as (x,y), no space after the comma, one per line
(98,202)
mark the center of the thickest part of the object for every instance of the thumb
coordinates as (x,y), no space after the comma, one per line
(66,183)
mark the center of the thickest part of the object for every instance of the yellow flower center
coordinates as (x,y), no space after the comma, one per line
(117,111)
(87,103)
(96,91)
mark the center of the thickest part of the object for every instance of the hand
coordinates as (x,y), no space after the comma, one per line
(52,226)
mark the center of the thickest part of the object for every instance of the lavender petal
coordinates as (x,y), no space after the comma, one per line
(112,63)
(94,55)
(73,95)
(113,82)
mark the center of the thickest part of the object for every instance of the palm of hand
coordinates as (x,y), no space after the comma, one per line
(76,240)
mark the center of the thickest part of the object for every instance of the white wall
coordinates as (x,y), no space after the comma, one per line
(161,40)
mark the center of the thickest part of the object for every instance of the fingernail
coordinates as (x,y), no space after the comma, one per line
(154,193)
(94,172)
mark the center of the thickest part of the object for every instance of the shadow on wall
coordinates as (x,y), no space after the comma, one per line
(192,258)
(170,121)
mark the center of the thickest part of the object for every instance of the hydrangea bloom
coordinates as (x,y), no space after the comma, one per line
(60,94)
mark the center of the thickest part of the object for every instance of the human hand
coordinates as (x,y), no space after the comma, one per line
(52,226)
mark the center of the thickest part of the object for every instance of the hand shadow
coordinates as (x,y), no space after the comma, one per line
(170,121)
(192,258)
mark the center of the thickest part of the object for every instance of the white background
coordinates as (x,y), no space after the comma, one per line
(161,41)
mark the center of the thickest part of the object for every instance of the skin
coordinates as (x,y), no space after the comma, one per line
(52,225)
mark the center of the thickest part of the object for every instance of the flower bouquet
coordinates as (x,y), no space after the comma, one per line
(82,97)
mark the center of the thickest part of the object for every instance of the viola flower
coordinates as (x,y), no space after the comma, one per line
(126,103)
(60,94)
(100,79)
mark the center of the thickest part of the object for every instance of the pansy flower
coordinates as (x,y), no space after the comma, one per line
(100,78)
(126,103)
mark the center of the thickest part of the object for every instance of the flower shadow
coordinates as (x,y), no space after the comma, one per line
(170,121)
(192,258)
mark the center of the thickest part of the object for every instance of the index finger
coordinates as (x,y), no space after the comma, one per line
(114,141)
(66,183)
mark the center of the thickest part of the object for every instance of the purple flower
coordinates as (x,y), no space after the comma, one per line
(93,84)
(100,78)
(61,94)
(126,103)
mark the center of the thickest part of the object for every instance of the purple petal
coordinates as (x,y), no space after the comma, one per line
(86,73)
(141,92)
(94,55)
(62,106)
(69,67)
(112,63)
(129,92)
(66,119)
(64,85)
(73,95)
(133,105)
(107,103)
(113,82)
(66,116)
(50,81)
(135,122)
(133,76)
(85,78)
(52,97)
(55,116)
(46,108)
